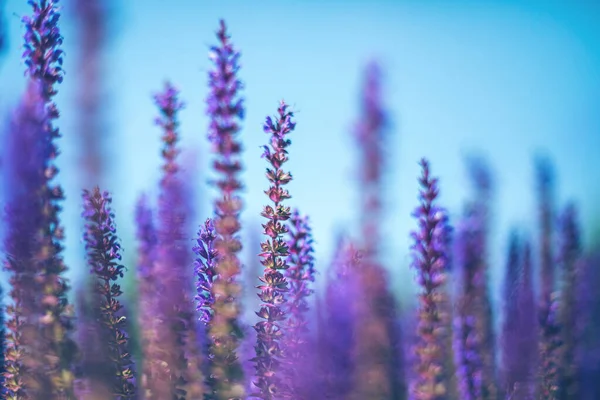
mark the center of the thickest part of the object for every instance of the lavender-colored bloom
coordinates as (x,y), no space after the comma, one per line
(95,370)
(550,349)
(92,21)
(274,253)
(104,256)
(570,253)
(369,134)
(300,273)
(429,252)
(337,325)
(377,362)
(519,332)
(24,163)
(545,188)
(469,336)
(43,59)
(147,237)
(549,328)
(2,342)
(477,365)
(588,326)
(177,330)
(225,109)
(204,266)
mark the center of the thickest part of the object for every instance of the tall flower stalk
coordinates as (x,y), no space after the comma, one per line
(476,339)
(225,109)
(550,342)
(24,163)
(204,268)
(177,332)
(300,274)
(519,332)
(274,253)
(378,368)
(147,237)
(92,19)
(103,251)
(44,58)
(569,313)
(430,258)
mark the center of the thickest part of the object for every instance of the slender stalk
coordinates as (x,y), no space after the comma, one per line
(44,58)
(274,255)
(104,256)
(225,109)
(430,258)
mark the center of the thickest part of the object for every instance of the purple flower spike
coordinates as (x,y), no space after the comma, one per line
(274,258)
(519,328)
(104,257)
(569,313)
(147,247)
(430,259)
(176,370)
(299,275)
(24,163)
(549,325)
(378,364)
(43,59)
(204,266)
(225,109)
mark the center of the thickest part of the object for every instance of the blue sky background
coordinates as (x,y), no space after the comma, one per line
(505,79)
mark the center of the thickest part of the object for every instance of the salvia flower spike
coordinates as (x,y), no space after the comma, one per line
(24,166)
(43,59)
(204,268)
(147,237)
(569,313)
(274,253)
(104,257)
(430,259)
(175,304)
(300,274)
(225,110)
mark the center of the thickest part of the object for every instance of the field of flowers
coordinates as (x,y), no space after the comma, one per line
(183,335)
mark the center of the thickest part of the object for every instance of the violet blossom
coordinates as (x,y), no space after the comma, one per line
(43,59)
(429,253)
(175,308)
(225,110)
(274,253)
(300,274)
(570,254)
(104,256)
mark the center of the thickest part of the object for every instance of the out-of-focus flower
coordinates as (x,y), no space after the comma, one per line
(300,274)
(569,261)
(430,257)
(225,110)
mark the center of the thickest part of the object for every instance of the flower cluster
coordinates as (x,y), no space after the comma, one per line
(104,256)
(430,262)
(274,253)
(43,59)
(225,109)
(300,273)
(204,267)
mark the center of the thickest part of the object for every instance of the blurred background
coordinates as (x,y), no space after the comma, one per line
(505,80)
